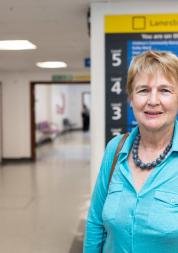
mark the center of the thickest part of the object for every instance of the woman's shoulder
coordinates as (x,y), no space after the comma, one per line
(113,143)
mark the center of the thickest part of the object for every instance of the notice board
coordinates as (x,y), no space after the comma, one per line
(125,37)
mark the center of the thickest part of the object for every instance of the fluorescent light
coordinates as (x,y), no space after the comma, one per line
(16,45)
(51,64)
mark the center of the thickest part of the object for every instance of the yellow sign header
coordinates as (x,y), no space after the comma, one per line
(141,23)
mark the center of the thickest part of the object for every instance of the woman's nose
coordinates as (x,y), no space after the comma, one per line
(153,98)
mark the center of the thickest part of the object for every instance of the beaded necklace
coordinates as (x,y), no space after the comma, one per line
(150,165)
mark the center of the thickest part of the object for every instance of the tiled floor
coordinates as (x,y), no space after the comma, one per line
(43,204)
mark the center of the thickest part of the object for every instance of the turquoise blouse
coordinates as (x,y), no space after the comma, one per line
(122,220)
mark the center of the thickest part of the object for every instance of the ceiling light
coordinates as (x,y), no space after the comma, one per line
(51,64)
(16,45)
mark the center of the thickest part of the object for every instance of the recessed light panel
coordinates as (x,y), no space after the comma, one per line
(52,64)
(16,45)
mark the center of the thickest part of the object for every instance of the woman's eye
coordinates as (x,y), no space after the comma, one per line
(143,91)
(165,91)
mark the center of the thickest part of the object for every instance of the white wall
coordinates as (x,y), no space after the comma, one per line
(98,11)
(43,103)
(59,98)
(16,116)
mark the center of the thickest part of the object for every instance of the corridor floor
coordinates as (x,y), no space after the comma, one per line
(43,204)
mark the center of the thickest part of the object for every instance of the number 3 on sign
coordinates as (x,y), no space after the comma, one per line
(116,87)
(117,112)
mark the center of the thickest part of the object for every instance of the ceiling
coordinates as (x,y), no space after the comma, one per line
(57,27)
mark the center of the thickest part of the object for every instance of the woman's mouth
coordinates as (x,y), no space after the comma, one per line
(153,114)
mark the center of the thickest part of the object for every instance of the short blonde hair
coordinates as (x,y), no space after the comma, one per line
(150,62)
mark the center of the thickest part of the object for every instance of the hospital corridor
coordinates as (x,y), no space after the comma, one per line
(66,90)
(43,204)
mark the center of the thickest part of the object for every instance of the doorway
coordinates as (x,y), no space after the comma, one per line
(33,106)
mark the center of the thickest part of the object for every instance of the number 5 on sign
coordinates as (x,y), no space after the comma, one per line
(116,60)
(116,87)
(116,112)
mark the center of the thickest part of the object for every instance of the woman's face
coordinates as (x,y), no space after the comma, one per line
(155,101)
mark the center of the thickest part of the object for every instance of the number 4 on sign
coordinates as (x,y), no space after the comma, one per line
(116,87)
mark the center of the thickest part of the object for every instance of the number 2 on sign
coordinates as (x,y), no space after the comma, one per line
(117,112)
(116,87)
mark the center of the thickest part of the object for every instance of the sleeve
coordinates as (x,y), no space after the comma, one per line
(95,234)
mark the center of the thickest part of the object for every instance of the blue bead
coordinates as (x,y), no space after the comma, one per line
(165,152)
(134,151)
(136,145)
(167,148)
(158,160)
(154,164)
(138,162)
(162,156)
(142,165)
(149,165)
(135,157)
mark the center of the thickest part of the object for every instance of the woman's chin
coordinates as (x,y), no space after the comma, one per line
(152,125)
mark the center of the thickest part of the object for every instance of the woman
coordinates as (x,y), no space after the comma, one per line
(138,212)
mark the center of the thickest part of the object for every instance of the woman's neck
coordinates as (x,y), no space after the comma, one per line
(153,140)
